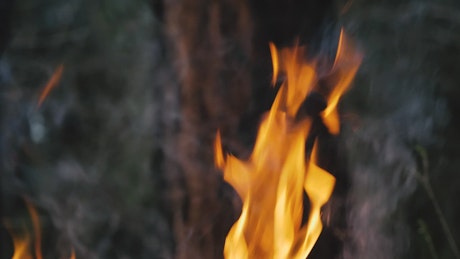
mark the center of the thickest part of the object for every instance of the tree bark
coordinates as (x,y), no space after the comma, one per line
(210,44)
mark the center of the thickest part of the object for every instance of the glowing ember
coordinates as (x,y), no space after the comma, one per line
(54,80)
(22,242)
(272,182)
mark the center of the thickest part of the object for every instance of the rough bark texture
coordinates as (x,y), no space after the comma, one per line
(211,50)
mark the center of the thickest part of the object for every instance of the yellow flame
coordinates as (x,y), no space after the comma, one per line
(274,53)
(346,65)
(22,242)
(272,182)
(21,247)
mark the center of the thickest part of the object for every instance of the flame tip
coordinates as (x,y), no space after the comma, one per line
(51,84)
(276,174)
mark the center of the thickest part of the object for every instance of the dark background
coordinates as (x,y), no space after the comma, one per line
(118,159)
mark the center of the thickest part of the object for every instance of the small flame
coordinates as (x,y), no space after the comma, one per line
(345,66)
(52,83)
(37,229)
(275,62)
(272,182)
(72,254)
(21,247)
(22,242)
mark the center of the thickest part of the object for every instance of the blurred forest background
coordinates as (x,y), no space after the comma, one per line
(118,158)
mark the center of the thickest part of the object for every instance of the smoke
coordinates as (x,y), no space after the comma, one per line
(395,100)
(90,156)
(84,156)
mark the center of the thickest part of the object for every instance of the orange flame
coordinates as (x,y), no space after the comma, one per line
(22,243)
(346,65)
(272,182)
(37,229)
(52,83)
(72,254)
(275,62)
(21,247)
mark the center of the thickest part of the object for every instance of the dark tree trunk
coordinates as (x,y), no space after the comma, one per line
(210,44)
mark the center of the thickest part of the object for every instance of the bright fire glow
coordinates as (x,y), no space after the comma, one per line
(272,182)
(22,242)
(21,247)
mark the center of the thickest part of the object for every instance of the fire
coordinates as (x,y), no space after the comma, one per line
(346,65)
(22,242)
(37,230)
(21,247)
(52,83)
(272,182)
